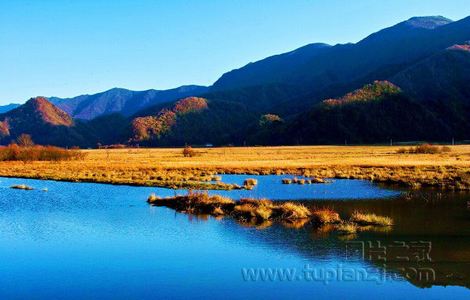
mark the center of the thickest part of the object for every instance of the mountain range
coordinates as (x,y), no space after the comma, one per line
(410,81)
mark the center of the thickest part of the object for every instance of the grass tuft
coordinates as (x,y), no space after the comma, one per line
(325,216)
(293,211)
(370,219)
(250,182)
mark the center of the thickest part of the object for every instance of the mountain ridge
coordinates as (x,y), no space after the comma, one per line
(407,81)
(119,100)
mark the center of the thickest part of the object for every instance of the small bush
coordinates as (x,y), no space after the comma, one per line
(188,151)
(424,149)
(25,140)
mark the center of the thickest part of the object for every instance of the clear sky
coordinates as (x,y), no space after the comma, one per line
(70,47)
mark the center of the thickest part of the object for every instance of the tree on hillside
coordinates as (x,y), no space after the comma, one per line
(25,140)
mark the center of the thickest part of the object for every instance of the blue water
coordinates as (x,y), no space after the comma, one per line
(270,187)
(83,240)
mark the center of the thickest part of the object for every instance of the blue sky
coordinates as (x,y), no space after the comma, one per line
(66,48)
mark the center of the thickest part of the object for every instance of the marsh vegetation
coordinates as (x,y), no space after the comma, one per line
(168,167)
(260,211)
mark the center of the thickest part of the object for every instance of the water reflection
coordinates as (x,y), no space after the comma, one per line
(109,242)
(428,246)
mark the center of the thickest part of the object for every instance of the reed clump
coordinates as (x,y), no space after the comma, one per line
(325,216)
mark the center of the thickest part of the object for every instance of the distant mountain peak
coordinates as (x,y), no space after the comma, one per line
(47,111)
(123,101)
(429,22)
(461,47)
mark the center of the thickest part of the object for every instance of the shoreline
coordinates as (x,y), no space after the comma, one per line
(415,181)
(167,168)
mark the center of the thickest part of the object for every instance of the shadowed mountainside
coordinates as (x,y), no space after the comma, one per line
(409,82)
(376,113)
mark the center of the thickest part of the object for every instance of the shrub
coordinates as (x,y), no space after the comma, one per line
(446,149)
(25,140)
(188,151)
(424,149)
(14,152)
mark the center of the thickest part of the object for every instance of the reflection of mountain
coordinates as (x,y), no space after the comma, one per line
(421,217)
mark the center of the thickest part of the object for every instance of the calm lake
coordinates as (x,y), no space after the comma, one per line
(96,241)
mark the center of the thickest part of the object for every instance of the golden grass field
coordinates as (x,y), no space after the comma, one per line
(168,167)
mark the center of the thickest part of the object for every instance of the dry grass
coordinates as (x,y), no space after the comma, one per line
(253,212)
(293,211)
(250,182)
(168,168)
(245,209)
(29,153)
(249,211)
(325,216)
(425,149)
(370,219)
